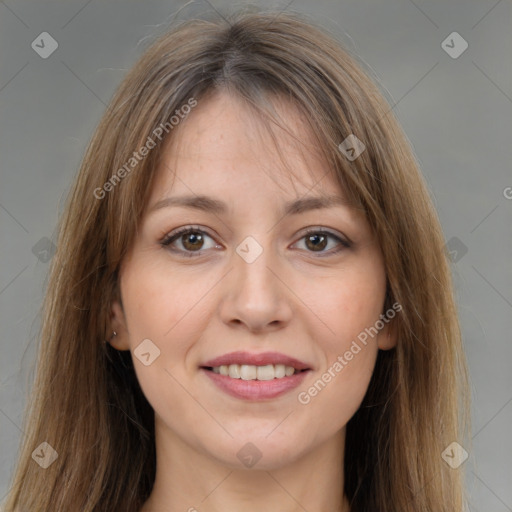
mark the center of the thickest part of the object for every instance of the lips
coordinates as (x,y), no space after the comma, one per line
(255,377)
(261,359)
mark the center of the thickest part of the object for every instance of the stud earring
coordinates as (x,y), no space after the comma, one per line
(114,334)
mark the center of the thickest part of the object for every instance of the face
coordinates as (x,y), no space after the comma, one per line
(254,288)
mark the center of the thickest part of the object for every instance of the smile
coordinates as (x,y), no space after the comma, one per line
(255,376)
(251,372)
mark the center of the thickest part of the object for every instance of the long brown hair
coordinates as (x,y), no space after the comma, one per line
(86,402)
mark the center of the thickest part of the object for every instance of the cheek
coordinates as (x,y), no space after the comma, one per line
(349,306)
(170,310)
(159,303)
(173,309)
(334,396)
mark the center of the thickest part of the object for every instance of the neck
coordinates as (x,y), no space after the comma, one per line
(190,480)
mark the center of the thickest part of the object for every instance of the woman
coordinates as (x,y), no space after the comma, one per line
(251,235)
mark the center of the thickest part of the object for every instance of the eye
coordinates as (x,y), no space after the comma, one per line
(190,240)
(316,240)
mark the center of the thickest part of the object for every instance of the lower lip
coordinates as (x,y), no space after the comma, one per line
(256,389)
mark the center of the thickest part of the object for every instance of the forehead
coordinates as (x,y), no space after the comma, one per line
(224,145)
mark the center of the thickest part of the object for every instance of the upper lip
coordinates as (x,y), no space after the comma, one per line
(260,359)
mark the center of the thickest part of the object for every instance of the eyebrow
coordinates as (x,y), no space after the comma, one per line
(209,204)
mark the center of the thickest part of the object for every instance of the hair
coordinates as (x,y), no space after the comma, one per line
(86,401)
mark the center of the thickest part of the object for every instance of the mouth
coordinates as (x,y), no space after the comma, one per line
(253,372)
(255,376)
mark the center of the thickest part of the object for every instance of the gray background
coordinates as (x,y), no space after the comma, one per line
(455,111)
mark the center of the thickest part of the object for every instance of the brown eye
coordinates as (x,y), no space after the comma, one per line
(192,241)
(316,242)
(188,241)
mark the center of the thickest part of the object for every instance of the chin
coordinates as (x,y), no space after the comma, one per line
(258,451)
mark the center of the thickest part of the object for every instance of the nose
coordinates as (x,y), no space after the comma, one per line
(256,296)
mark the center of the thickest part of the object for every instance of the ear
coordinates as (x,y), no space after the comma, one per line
(387,337)
(118,325)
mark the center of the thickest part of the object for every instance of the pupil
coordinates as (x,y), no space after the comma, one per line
(191,240)
(317,245)
(316,241)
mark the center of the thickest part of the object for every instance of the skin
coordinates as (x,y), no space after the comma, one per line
(306,303)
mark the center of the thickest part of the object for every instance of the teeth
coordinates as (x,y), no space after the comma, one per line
(234,371)
(251,372)
(280,371)
(265,372)
(248,372)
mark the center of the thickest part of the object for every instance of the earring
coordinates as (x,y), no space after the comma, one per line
(114,334)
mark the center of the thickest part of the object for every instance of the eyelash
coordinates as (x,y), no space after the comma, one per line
(171,237)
